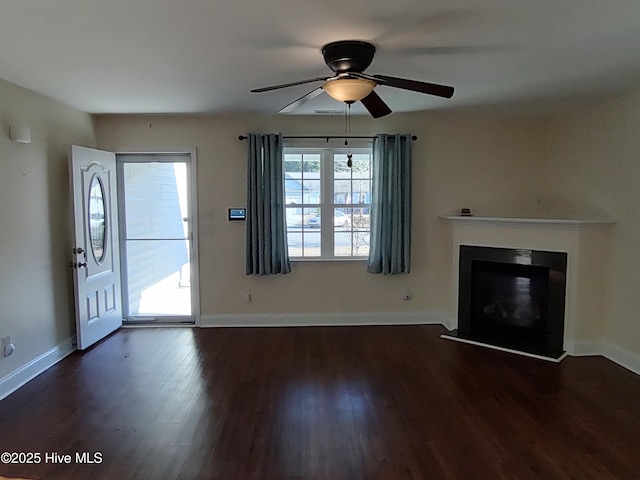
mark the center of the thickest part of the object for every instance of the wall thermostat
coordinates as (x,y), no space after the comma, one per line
(237,214)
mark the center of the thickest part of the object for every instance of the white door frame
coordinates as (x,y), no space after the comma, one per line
(193,217)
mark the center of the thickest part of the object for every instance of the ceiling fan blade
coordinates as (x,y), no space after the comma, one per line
(414,85)
(453,50)
(303,99)
(285,85)
(375,105)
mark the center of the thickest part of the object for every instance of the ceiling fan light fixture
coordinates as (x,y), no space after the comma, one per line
(348,90)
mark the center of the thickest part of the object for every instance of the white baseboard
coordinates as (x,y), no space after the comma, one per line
(35,367)
(624,358)
(322,319)
(583,349)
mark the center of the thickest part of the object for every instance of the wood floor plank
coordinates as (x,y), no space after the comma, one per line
(322,403)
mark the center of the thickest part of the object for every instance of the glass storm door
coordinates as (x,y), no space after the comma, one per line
(156,241)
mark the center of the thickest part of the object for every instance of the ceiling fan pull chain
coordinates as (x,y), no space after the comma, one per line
(347,131)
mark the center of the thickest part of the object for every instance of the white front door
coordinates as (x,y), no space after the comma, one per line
(96,257)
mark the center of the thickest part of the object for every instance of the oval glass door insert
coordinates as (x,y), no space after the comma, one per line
(97,219)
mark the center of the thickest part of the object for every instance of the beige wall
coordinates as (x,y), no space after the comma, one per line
(594,166)
(490,165)
(585,163)
(35,284)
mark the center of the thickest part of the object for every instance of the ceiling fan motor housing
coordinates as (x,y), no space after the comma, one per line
(348,55)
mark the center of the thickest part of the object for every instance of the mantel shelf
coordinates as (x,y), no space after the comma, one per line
(560,222)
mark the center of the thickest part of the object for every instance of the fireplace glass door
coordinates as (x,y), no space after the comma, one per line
(509,302)
(512,298)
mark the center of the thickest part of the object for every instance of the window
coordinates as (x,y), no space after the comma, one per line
(327,203)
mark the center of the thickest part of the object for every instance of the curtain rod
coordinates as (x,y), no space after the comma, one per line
(327,137)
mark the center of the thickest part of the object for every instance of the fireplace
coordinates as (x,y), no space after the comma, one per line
(513,299)
(579,272)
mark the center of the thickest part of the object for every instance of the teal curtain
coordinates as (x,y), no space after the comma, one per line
(390,245)
(266,235)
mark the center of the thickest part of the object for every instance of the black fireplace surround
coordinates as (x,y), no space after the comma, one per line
(513,298)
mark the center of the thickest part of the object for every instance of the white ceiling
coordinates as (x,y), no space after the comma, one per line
(203,56)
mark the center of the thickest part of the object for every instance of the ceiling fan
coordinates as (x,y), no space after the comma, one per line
(348,59)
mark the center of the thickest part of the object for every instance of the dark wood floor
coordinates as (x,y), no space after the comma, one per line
(322,403)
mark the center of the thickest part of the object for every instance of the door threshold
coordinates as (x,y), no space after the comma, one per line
(159,321)
(157,325)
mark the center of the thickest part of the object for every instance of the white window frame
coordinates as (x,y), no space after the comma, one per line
(327,205)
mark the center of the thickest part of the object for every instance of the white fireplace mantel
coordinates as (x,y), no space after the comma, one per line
(586,242)
(559,222)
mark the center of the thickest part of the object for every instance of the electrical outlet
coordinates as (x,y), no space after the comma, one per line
(7,346)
